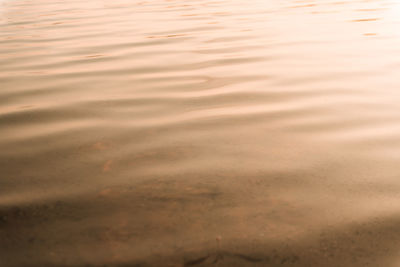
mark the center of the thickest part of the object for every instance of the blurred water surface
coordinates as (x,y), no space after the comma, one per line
(199,133)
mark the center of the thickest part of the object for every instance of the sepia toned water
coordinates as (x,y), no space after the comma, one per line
(200,133)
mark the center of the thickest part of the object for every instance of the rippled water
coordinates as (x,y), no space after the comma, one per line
(199,133)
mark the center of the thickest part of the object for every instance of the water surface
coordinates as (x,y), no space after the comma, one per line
(199,133)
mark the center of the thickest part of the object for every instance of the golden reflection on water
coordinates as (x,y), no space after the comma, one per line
(199,133)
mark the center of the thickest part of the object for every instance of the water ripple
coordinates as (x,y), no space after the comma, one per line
(199,133)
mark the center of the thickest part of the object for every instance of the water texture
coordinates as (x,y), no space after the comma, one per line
(200,133)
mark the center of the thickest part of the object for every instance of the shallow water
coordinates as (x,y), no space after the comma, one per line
(199,133)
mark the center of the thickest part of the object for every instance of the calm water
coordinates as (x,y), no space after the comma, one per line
(200,133)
